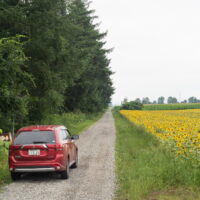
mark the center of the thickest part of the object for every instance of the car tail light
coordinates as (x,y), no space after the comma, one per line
(12,148)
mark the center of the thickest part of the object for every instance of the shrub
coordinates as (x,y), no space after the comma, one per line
(132,105)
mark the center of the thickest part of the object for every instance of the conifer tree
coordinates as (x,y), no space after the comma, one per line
(65,58)
(92,91)
(14,80)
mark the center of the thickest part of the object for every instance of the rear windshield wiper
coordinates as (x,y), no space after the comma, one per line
(39,142)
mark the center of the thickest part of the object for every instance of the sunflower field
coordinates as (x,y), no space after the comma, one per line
(180,129)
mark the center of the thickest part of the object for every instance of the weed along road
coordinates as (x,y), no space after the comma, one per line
(94,179)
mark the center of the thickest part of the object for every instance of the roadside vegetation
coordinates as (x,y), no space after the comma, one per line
(148,169)
(169,100)
(53,60)
(137,105)
(131,105)
(177,106)
(4,172)
(75,122)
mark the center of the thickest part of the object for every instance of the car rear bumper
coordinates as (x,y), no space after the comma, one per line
(26,167)
(46,167)
(32,170)
(36,166)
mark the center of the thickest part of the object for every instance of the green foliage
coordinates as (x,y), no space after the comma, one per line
(4,172)
(161,100)
(93,89)
(132,105)
(146,100)
(46,49)
(145,165)
(193,100)
(60,66)
(13,81)
(172,100)
(180,106)
(75,122)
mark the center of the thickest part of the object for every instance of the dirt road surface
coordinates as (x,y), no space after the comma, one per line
(94,179)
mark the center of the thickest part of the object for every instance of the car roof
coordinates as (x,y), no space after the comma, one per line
(42,128)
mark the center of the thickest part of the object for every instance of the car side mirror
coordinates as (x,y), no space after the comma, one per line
(75,137)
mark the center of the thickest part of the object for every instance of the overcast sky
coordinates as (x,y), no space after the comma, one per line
(156,47)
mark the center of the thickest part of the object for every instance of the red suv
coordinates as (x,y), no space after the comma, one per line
(44,148)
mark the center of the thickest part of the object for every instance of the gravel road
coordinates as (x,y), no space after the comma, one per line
(94,179)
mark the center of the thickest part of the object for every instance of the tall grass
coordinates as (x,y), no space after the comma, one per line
(75,122)
(178,106)
(4,172)
(145,165)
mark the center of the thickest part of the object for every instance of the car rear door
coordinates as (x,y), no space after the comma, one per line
(73,146)
(68,144)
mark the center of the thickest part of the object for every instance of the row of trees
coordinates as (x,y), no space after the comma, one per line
(52,60)
(161,100)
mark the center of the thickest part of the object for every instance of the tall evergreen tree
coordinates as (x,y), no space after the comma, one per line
(92,91)
(44,48)
(66,61)
(14,95)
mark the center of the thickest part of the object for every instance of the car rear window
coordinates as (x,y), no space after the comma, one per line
(35,137)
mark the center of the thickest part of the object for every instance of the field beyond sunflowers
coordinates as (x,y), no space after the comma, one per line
(179,128)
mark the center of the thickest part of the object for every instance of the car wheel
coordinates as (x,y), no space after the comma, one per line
(75,165)
(15,176)
(65,174)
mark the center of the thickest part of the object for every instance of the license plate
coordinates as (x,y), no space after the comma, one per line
(35,152)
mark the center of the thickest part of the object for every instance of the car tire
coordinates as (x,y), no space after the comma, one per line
(15,176)
(65,174)
(75,165)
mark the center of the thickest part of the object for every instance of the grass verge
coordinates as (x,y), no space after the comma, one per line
(76,122)
(146,169)
(4,173)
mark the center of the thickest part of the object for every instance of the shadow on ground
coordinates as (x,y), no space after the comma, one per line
(40,177)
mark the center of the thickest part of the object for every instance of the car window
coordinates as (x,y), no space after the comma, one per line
(68,134)
(35,137)
(64,135)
